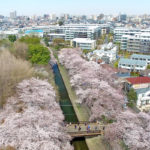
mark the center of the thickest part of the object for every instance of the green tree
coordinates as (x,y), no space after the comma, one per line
(148,67)
(132,97)
(116,64)
(38,54)
(30,40)
(12,38)
(46,40)
(61,23)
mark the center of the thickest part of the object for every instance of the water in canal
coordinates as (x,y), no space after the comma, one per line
(67,108)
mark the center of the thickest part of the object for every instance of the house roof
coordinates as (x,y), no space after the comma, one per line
(139,80)
(132,62)
(140,56)
(143,90)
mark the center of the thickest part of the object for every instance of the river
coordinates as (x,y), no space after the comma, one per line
(67,108)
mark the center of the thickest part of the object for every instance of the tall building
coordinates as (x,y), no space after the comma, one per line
(52,16)
(66,16)
(122,17)
(13,15)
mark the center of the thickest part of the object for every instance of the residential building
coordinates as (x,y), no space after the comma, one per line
(143,98)
(119,32)
(141,85)
(83,43)
(124,42)
(122,17)
(137,82)
(13,15)
(107,53)
(52,16)
(136,43)
(132,65)
(141,57)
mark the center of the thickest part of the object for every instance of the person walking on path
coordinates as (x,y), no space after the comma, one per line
(75,126)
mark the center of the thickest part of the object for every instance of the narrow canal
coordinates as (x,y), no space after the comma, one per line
(67,108)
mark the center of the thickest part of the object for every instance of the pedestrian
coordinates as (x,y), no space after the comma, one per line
(75,126)
(95,128)
(89,127)
(79,128)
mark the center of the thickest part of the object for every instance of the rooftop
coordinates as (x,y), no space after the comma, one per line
(139,80)
(140,56)
(132,62)
(83,40)
(143,90)
(33,31)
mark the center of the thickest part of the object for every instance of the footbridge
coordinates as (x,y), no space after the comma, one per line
(85,129)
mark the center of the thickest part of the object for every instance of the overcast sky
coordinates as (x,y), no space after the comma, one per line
(87,7)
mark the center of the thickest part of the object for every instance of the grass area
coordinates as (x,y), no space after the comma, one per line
(82,113)
(97,143)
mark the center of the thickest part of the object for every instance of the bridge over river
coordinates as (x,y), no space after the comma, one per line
(85,129)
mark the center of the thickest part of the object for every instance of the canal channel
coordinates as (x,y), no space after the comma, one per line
(67,108)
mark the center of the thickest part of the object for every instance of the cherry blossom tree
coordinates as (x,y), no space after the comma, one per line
(132,128)
(98,88)
(33,120)
(95,86)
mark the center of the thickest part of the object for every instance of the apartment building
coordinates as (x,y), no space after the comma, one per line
(119,32)
(83,43)
(141,58)
(132,64)
(136,43)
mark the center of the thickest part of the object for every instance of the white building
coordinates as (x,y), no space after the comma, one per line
(5,34)
(141,57)
(141,85)
(52,16)
(136,43)
(143,98)
(13,15)
(83,43)
(132,65)
(119,32)
(108,51)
